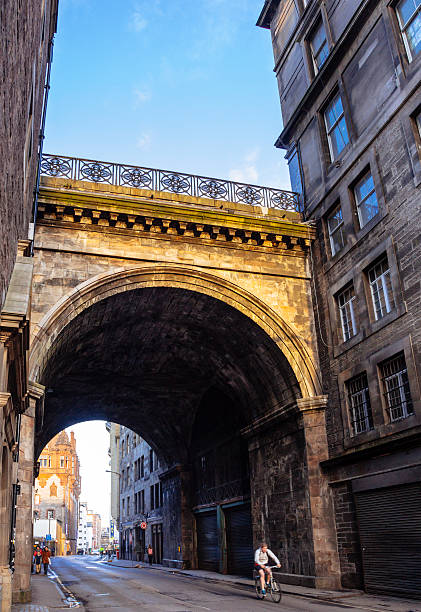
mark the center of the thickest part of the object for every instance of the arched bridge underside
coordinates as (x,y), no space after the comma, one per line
(212,362)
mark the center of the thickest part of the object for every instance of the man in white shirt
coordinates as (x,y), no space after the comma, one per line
(261,558)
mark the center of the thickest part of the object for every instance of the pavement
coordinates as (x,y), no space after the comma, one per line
(87,583)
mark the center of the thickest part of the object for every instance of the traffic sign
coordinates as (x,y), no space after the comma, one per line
(143,525)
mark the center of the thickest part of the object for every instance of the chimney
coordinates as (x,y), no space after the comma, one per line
(72,439)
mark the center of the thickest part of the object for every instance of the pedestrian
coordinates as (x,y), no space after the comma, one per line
(37,559)
(45,555)
(150,554)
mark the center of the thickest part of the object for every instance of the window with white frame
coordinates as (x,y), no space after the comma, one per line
(366,199)
(50,514)
(359,404)
(381,288)
(335,226)
(346,304)
(396,387)
(336,130)
(62,462)
(318,46)
(409,18)
(43,461)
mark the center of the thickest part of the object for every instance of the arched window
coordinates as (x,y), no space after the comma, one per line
(53,490)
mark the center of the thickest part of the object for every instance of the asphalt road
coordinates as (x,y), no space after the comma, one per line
(99,586)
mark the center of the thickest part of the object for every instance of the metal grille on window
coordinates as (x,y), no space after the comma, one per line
(396,387)
(409,17)
(366,199)
(381,288)
(337,132)
(359,404)
(335,224)
(346,302)
(319,47)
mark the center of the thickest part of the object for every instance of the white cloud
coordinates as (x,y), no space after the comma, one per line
(141,95)
(138,21)
(247,171)
(144,141)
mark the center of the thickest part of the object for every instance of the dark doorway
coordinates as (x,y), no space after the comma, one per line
(207,541)
(157,542)
(239,540)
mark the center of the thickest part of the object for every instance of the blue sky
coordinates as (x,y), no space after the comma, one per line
(182,85)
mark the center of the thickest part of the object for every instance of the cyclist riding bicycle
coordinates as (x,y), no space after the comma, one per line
(261,558)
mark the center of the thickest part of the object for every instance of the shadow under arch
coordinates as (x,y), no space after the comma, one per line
(105,285)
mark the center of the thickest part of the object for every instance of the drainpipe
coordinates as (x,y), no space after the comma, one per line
(41,141)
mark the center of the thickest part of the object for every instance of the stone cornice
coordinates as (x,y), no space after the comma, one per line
(282,413)
(311,404)
(95,211)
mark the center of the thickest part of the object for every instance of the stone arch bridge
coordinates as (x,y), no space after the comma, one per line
(180,307)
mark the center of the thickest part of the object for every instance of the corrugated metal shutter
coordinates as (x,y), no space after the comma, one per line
(390,532)
(207,541)
(240,554)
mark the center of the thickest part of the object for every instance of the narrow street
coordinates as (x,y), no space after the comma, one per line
(97,585)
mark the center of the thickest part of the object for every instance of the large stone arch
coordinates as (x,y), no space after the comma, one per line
(105,285)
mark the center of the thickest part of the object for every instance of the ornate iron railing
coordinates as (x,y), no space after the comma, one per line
(226,491)
(167,181)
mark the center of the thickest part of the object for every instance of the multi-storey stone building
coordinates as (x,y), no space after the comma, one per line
(114,454)
(141,498)
(349,73)
(27,30)
(57,488)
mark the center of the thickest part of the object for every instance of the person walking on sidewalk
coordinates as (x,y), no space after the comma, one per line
(150,554)
(37,559)
(45,554)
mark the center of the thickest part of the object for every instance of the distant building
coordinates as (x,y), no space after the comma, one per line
(84,534)
(94,522)
(57,490)
(349,76)
(140,498)
(105,537)
(114,454)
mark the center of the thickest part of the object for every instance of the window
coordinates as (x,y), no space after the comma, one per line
(359,404)
(62,462)
(151,461)
(346,304)
(337,133)
(122,447)
(318,47)
(366,199)
(335,224)
(50,514)
(142,466)
(43,461)
(381,288)
(73,465)
(152,496)
(294,167)
(409,18)
(53,490)
(396,387)
(142,500)
(135,503)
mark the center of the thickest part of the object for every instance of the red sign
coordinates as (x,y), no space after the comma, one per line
(143,525)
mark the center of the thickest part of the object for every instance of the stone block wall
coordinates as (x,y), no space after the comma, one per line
(347,537)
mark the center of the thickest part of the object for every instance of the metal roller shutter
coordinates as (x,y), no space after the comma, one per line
(207,541)
(390,532)
(239,540)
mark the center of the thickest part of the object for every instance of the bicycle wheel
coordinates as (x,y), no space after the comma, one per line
(275,592)
(258,588)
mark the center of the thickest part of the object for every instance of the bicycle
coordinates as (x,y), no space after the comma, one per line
(273,588)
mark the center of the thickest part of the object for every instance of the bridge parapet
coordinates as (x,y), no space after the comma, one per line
(153,179)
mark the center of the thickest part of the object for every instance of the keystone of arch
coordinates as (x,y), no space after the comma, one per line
(104,285)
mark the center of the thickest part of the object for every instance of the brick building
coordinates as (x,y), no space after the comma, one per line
(27,30)
(349,73)
(57,489)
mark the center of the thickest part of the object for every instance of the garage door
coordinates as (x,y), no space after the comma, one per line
(390,533)
(239,540)
(207,541)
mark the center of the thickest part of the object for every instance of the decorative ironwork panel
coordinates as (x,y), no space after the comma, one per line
(228,490)
(212,188)
(175,182)
(136,177)
(98,172)
(56,166)
(166,180)
(248,194)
